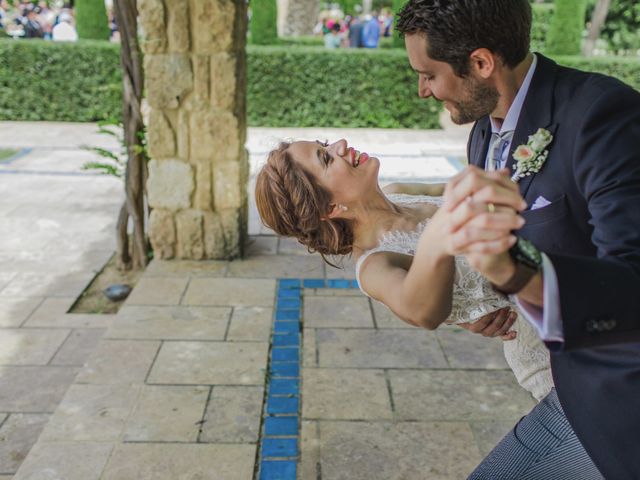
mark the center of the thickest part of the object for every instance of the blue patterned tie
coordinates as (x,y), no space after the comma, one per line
(498,143)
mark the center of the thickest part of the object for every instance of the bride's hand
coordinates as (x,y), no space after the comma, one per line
(494,324)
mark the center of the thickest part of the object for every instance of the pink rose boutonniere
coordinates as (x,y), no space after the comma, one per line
(531,157)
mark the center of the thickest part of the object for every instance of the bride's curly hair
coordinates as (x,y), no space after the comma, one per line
(293,204)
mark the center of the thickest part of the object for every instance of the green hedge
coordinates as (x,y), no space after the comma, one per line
(91,19)
(345,88)
(567,25)
(542,15)
(263,23)
(75,82)
(287,86)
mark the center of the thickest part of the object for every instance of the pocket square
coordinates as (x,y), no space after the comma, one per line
(540,202)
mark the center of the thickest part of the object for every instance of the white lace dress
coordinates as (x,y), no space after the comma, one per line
(473,297)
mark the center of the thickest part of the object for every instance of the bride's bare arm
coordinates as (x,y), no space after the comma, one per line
(430,189)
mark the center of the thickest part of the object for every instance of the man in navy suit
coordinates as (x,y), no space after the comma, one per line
(577,279)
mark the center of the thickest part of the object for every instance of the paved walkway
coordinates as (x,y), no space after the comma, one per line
(188,381)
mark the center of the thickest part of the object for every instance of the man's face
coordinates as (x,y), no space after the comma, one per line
(466,98)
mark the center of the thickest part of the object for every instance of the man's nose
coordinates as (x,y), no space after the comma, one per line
(423,88)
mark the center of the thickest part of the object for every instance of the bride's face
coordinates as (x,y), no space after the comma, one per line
(346,172)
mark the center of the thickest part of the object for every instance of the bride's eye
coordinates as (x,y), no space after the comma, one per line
(326,157)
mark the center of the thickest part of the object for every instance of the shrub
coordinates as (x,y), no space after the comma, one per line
(542,15)
(91,19)
(397,40)
(264,22)
(567,25)
(75,82)
(335,88)
(624,68)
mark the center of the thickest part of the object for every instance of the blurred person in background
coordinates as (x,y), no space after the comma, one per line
(64,31)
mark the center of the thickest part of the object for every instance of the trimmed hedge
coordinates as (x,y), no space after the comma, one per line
(542,15)
(300,87)
(263,23)
(91,19)
(567,25)
(307,87)
(60,81)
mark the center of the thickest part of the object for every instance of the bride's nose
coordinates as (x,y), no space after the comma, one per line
(340,147)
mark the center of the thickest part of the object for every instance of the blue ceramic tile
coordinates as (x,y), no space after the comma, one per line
(278,470)
(289,283)
(339,283)
(281,405)
(285,369)
(314,283)
(286,340)
(279,447)
(280,386)
(290,293)
(287,314)
(281,426)
(288,303)
(286,327)
(354,284)
(285,354)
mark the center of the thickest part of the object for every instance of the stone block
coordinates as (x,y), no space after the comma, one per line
(68,461)
(178,25)
(223,81)
(229,185)
(214,135)
(310,454)
(158,291)
(397,451)
(119,362)
(17,392)
(348,312)
(278,266)
(212,25)
(189,227)
(345,394)
(359,348)
(160,136)
(238,292)
(201,81)
(250,324)
(168,79)
(30,346)
(151,14)
(209,363)
(458,395)
(180,461)
(91,413)
(162,233)
(215,244)
(14,311)
(233,415)
(183,134)
(170,323)
(167,414)
(203,197)
(78,346)
(170,184)
(234,227)
(17,435)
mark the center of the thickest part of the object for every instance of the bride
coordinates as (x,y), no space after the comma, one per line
(329,199)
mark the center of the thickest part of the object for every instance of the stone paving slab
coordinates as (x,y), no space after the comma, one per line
(170,323)
(179,461)
(180,268)
(78,346)
(266,266)
(42,285)
(158,291)
(17,435)
(21,346)
(239,292)
(166,414)
(52,313)
(233,415)
(345,312)
(68,461)
(466,350)
(210,363)
(34,389)
(397,451)
(14,311)
(250,324)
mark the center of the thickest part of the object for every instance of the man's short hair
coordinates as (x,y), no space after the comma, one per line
(455,28)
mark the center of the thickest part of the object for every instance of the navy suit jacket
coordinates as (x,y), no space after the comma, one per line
(591,233)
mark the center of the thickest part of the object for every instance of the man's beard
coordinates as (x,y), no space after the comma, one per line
(481,100)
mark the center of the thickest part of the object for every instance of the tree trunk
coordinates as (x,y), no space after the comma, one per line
(597,22)
(135,172)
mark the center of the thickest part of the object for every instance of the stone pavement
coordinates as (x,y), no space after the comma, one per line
(187,379)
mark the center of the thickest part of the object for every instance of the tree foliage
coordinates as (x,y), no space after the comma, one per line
(264,22)
(91,20)
(567,25)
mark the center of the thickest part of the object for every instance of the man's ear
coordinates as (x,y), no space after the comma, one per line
(483,62)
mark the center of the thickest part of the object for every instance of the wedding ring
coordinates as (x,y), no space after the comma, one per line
(491,208)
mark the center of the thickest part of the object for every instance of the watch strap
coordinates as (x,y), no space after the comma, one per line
(521,276)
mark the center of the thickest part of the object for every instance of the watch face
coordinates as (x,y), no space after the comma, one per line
(526,252)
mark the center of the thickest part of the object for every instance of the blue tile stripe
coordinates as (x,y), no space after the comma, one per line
(278,446)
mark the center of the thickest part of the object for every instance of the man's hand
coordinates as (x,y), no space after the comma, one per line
(494,324)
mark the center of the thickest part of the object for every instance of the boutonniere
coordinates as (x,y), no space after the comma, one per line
(531,157)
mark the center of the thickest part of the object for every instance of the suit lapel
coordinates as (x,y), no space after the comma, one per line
(536,112)
(480,145)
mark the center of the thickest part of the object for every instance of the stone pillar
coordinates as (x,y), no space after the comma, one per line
(297,17)
(195,81)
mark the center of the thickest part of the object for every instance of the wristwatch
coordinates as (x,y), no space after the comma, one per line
(528,262)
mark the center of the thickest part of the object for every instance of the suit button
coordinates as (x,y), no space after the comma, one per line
(592,326)
(609,324)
